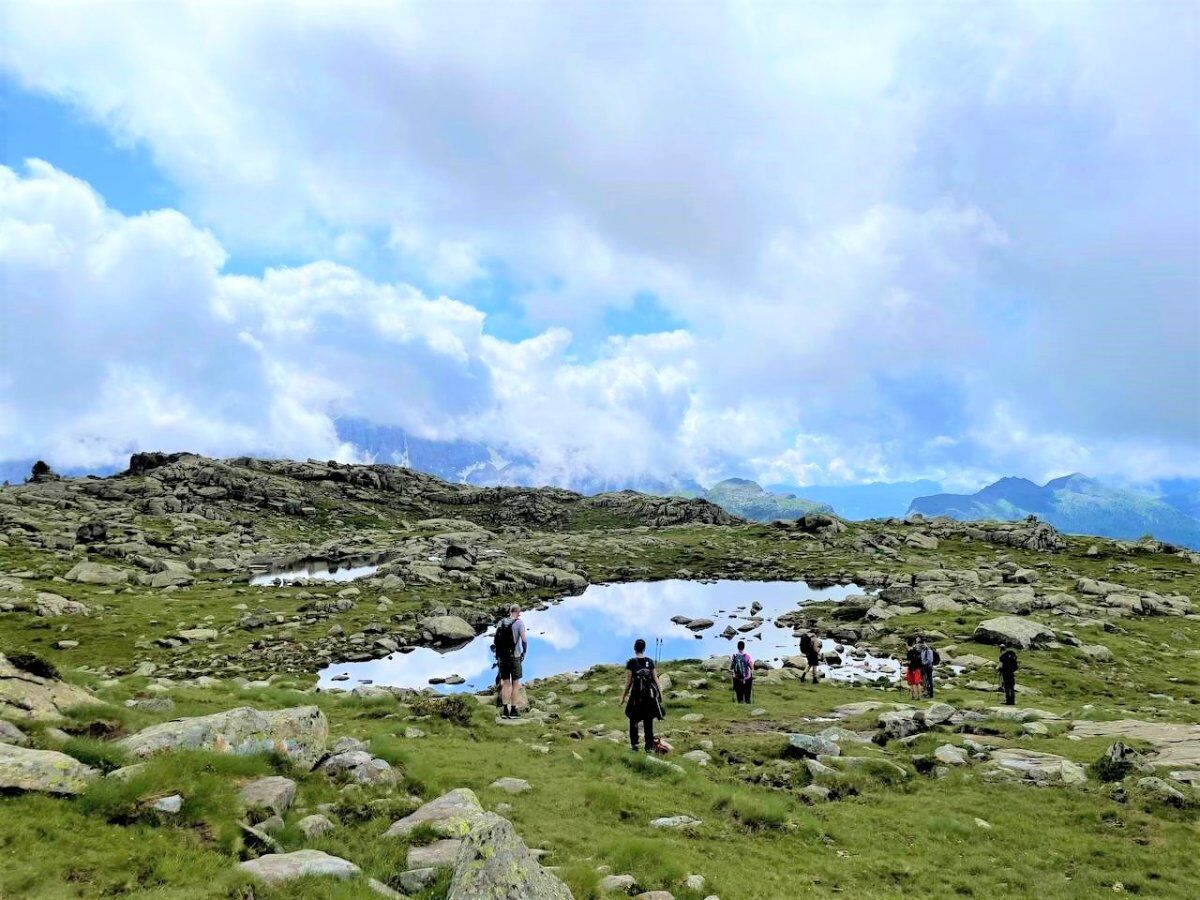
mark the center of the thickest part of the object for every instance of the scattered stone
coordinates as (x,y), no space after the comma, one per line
(273,794)
(810,745)
(11,734)
(613,884)
(676,823)
(436,855)
(1160,790)
(1041,768)
(171,805)
(512,785)
(416,880)
(315,826)
(950,755)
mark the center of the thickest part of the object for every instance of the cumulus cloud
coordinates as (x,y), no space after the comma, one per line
(899,241)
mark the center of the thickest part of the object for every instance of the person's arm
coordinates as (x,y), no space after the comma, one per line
(628,683)
(524,639)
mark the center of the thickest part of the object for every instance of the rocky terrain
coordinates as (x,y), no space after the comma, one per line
(159,718)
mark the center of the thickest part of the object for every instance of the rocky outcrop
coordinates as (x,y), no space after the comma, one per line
(1040,768)
(24,695)
(493,862)
(1176,744)
(299,734)
(46,771)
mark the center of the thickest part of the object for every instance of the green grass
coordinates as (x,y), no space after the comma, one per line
(592,801)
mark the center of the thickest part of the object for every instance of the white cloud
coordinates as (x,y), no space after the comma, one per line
(877,226)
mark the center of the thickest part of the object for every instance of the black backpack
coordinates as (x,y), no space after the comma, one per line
(937,657)
(644,692)
(505,642)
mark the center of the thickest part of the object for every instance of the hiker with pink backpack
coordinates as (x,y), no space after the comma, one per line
(742,667)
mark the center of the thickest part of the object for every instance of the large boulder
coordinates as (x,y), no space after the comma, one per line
(448,629)
(1013,630)
(450,815)
(96,573)
(298,734)
(493,862)
(809,745)
(279,868)
(49,771)
(24,695)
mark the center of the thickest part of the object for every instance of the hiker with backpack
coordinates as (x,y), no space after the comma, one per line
(1008,674)
(642,696)
(929,659)
(810,647)
(510,645)
(742,667)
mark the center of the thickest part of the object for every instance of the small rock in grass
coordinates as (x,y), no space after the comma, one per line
(279,868)
(624,884)
(315,826)
(170,805)
(415,880)
(512,785)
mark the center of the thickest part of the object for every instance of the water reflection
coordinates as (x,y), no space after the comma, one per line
(600,625)
(317,570)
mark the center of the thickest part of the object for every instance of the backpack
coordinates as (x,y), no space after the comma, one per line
(937,657)
(644,689)
(504,643)
(741,667)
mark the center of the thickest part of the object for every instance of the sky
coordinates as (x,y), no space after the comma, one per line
(804,243)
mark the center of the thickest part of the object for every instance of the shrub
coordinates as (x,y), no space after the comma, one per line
(455,708)
(1108,769)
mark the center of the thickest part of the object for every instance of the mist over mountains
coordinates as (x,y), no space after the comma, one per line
(1076,503)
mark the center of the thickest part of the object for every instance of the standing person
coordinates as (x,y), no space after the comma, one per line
(810,646)
(742,667)
(912,661)
(1008,674)
(510,645)
(642,695)
(928,660)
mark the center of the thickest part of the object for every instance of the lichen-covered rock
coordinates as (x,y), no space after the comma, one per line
(48,771)
(24,695)
(494,863)
(450,815)
(298,734)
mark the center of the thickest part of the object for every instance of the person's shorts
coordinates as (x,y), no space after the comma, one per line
(813,661)
(913,676)
(510,668)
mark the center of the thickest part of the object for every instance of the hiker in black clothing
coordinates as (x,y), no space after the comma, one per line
(1008,674)
(742,667)
(510,645)
(642,696)
(810,646)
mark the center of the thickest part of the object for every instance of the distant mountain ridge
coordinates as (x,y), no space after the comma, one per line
(1076,504)
(745,498)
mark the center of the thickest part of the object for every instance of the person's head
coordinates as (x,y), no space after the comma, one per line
(639,646)
(741,646)
(908,642)
(1003,647)
(921,639)
(514,611)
